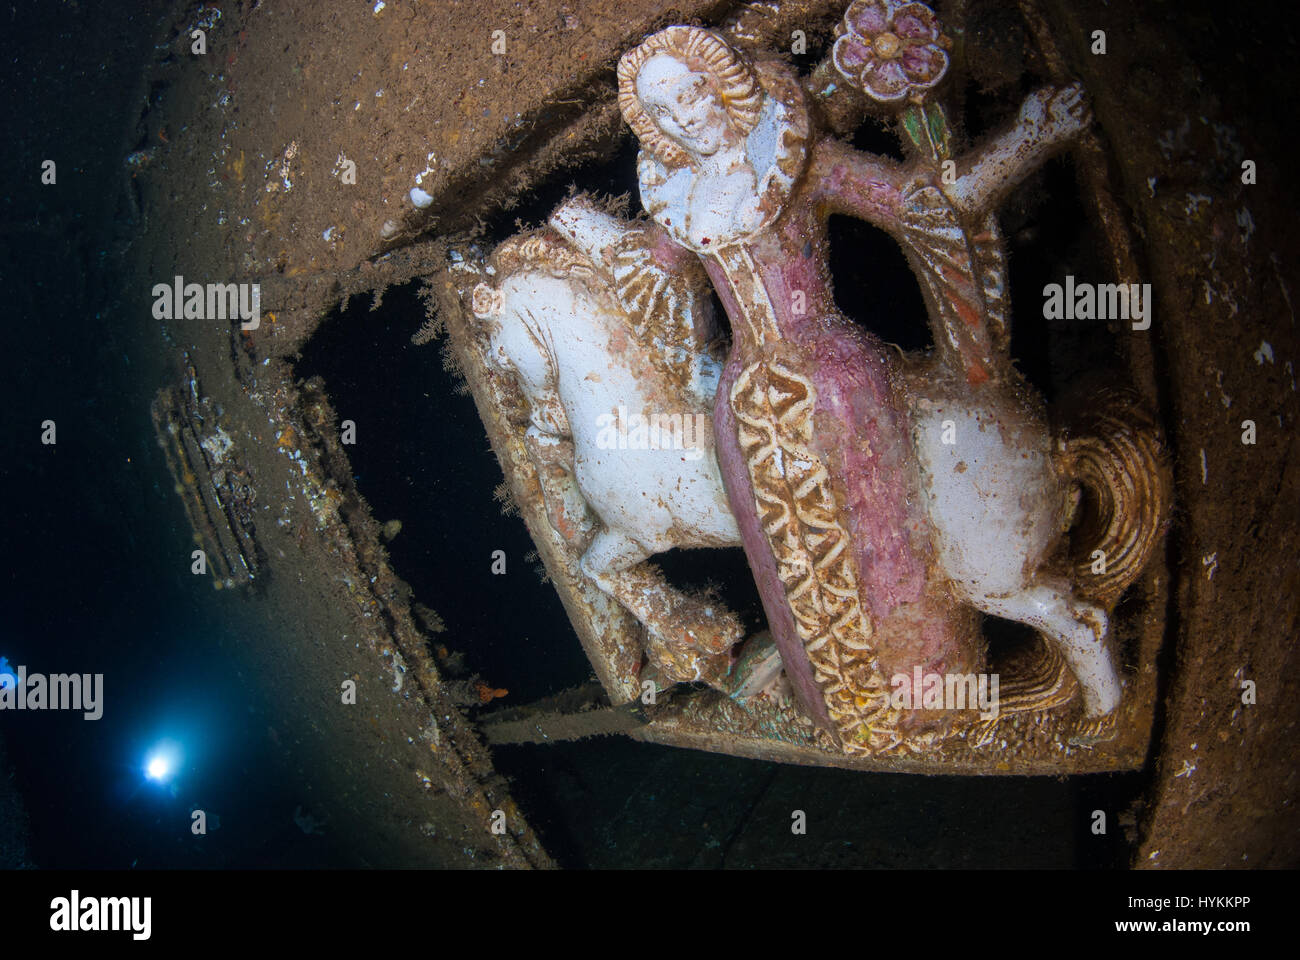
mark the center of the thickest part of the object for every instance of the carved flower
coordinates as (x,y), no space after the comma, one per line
(891,49)
(485,301)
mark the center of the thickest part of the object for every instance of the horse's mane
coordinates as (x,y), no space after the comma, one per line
(543,250)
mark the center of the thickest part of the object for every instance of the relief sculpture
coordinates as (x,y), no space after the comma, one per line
(884,501)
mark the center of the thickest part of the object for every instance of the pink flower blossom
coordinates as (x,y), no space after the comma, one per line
(891,49)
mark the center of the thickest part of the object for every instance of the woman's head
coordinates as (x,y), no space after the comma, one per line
(685,92)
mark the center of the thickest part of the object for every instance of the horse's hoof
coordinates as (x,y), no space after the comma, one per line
(675,663)
(708,627)
(1093,730)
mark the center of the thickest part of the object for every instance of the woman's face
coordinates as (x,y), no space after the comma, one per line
(683,105)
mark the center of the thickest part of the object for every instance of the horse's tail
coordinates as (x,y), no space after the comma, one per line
(1120,462)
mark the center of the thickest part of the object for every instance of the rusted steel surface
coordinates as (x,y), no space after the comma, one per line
(1222,256)
(325,117)
(398,765)
(328,115)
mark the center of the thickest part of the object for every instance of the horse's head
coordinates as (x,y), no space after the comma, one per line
(488,303)
(533,283)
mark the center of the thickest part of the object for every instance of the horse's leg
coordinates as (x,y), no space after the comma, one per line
(615,562)
(1077,628)
(996,509)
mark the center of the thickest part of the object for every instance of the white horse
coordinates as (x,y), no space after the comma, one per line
(619,386)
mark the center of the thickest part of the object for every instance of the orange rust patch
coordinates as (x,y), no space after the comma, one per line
(966,312)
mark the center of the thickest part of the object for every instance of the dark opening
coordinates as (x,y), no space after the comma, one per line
(422,457)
